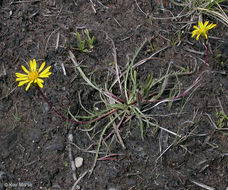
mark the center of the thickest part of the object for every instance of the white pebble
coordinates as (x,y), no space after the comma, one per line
(78,162)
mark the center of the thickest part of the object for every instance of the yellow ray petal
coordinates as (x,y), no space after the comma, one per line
(41,67)
(194,33)
(211,26)
(28,85)
(31,65)
(206,23)
(40,83)
(196,27)
(20,79)
(197,38)
(46,75)
(45,72)
(200,25)
(23,82)
(21,75)
(206,36)
(24,69)
(40,80)
(34,65)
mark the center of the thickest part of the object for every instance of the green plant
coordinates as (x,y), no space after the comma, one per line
(222,119)
(89,40)
(153,46)
(176,40)
(131,102)
(66,164)
(219,58)
(81,43)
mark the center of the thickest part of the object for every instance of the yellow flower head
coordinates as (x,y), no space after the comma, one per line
(33,75)
(202,29)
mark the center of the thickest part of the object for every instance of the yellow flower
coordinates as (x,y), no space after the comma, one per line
(33,75)
(202,29)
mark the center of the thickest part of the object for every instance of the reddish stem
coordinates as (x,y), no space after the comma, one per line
(115,97)
(108,157)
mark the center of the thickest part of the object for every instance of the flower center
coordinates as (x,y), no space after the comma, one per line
(33,75)
(203,30)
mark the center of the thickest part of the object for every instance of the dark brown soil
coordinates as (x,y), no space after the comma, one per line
(34,148)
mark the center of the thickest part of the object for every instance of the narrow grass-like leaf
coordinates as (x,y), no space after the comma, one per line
(164,84)
(221,16)
(129,68)
(148,86)
(82,73)
(132,97)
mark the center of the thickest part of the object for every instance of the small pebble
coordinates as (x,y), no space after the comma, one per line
(46,107)
(2,174)
(78,162)
(112,188)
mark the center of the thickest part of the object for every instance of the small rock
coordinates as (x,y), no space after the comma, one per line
(78,162)
(2,174)
(112,188)
(46,107)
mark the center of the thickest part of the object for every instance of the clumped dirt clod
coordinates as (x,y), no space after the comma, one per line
(34,143)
